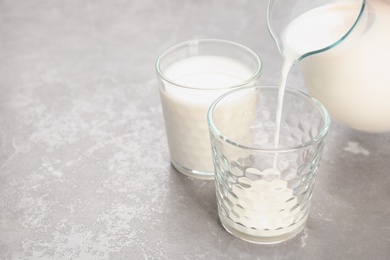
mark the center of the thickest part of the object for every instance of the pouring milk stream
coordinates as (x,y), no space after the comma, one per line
(343,49)
(317,29)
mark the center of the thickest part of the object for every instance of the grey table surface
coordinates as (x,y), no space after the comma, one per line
(84,163)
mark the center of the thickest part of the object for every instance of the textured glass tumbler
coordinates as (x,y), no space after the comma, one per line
(263,192)
(191,76)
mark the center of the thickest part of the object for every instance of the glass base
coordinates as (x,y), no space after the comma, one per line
(262,236)
(193,173)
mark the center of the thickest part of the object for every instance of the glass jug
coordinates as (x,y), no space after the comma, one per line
(348,72)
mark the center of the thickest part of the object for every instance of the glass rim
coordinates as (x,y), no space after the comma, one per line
(319,137)
(164,54)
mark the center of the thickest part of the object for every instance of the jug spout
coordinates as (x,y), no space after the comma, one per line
(303,28)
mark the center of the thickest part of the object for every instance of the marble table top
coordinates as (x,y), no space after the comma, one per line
(84,162)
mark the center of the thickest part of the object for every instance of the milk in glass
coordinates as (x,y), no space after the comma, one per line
(202,80)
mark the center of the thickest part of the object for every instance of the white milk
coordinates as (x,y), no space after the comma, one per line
(275,204)
(274,209)
(306,33)
(319,28)
(185,109)
(352,80)
(277,211)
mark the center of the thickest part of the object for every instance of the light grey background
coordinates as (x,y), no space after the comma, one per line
(84,163)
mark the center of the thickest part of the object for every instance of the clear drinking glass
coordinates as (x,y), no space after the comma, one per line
(191,76)
(263,192)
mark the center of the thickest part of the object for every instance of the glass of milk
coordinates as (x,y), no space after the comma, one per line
(263,187)
(191,76)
